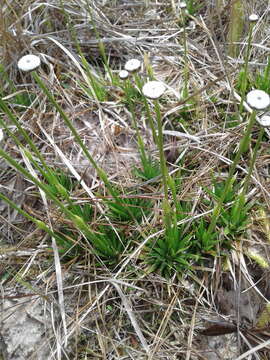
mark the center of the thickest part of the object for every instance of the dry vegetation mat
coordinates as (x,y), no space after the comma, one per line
(134,179)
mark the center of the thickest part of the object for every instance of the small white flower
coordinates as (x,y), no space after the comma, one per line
(123,74)
(182,5)
(192,25)
(29,62)
(258,99)
(1,135)
(153,89)
(132,65)
(265,120)
(253,18)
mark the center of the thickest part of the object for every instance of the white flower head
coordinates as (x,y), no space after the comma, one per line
(253,18)
(1,135)
(265,120)
(29,62)
(183,5)
(153,89)
(133,65)
(258,99)
(192,25)
(123,74)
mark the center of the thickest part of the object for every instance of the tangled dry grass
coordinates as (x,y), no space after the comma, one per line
(85,311)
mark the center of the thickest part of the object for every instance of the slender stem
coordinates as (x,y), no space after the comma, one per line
(241,196)
(241,150)
(38,183)
(134,121)
(186,71)
(27,138)
(253,159)
(151,122)
(244,80)
(148,112)
(100,172)
(163,166)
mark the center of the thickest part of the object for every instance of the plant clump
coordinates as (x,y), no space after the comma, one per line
(139,181)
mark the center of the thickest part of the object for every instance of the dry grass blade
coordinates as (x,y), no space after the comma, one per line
(253,350)
(132,317)
(61,301)
(158,340)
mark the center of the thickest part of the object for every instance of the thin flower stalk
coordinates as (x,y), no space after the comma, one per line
(100,172)
(133,66)
(253,159)
(134,120)
(38,183)
(258,100)
(27,138)
(247,55)
(150,119)
(77,220)
(154,90)
(186,69)
(27,64)
(242,148)
(163,166)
